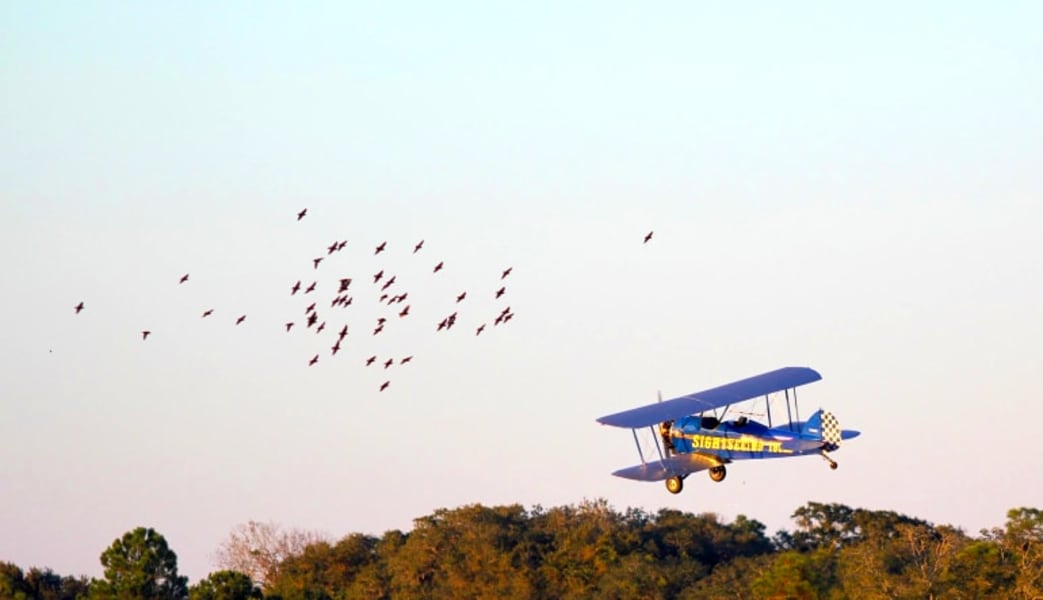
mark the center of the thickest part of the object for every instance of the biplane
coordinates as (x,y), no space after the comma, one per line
(690,436)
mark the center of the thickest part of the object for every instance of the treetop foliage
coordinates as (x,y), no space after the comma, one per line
(589,551)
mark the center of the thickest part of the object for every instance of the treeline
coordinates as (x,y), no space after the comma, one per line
(585,551)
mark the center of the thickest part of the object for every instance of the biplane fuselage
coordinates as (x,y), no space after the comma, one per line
(689,440)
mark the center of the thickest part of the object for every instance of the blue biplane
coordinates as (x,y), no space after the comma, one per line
(693,440)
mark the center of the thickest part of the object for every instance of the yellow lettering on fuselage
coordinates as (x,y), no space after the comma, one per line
(743,444)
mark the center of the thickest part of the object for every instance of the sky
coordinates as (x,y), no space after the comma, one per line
(854,189)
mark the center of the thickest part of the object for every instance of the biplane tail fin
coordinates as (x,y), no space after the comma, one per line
(824,426)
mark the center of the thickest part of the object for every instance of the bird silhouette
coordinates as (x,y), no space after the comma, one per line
(312,319)
(438,267)
(145,334)
(384,385)
(289,326)
(183,279)
(370,360)
(378,329)
(378,275)
(389,362)
(311,287)
(442,324)
(316,261)
(320,327)
(461,297)
(207,313)
(78,307)
(343,332)
(506,272)
(296,287)
(332,248)
(405,311)
(648,236)
(480,329)
(380,248)
(406,359)
(240,319)
(344,283)
(301,214)
(335,348)
(311,307)
(313,360)
(508,317)
(418,246)
(383,297)
(388,283)
(341,245)
(381,320)
(500,291)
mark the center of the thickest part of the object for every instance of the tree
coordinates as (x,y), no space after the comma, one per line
(224,585)
(257,549)
(139,566)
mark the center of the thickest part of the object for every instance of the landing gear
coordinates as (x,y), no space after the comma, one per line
(717,473)
(674,485)
(832,463)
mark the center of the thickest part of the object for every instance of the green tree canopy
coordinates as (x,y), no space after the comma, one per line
(140,566)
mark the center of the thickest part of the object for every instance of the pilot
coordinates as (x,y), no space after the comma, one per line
(664,432)
(741,421)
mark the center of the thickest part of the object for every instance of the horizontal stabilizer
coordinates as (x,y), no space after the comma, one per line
(847,434)
(729,393)
(676,465)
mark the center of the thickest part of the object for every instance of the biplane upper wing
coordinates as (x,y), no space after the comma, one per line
(729,393)
(674,466)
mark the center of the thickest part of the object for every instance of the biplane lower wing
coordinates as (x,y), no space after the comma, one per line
(677,465)
(729,393)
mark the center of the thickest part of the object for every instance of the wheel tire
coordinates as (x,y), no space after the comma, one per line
(833,466)
(674,485)
(718,473)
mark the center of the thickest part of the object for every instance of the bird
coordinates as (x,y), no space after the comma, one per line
(296,287)
(341,245)
(370,360)
(313,360)
(507,317)
(378,329)
(389,362)
(442,324)
(383,297)
(378,275)
(438,267)
(320,327)
(505,311)
(405,311)
(301,214)
(183,279)
(332,248)
(648,236)
(480,329)
(381,320)
(406,359)
(506,272)
(207,313)
(311,307)
(312,319)
(461,297)
(388,283)
(311,287)
(500,291)
(316,261)
(240,319)
(418,246)
(343,332)
(380,248)
(78,307)
(335,348)
(344,283)
(289,326)
(145,334)
(384,385)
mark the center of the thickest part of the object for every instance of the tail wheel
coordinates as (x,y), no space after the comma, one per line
(717,473)
(674,485)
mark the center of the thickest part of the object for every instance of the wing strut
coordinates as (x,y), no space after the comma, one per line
(638,444)
(767,403)
(789,415)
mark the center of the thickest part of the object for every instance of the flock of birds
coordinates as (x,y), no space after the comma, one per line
(388,296)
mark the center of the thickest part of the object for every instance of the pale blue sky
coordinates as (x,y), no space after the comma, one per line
(852,189)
